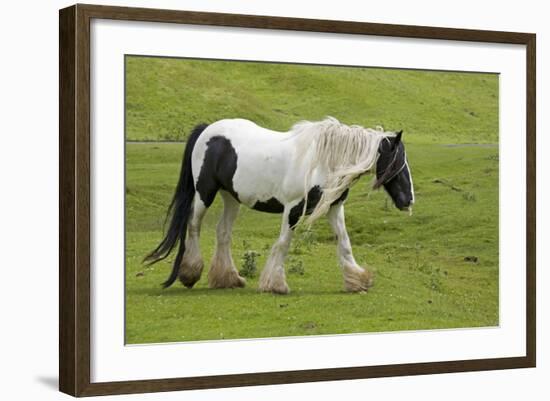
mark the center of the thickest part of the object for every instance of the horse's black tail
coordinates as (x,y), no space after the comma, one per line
(178,212)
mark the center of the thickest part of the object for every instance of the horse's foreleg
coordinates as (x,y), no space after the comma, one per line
(223,273)
(355,277)
(192,264)
(273,276)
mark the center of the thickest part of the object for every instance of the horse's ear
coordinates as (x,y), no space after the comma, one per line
(398,137)
(396,140)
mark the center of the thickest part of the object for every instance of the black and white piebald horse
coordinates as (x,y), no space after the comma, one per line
(303,173)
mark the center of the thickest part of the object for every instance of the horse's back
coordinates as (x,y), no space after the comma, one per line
(239,130)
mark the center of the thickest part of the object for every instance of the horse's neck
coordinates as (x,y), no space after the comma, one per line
(301,155)
(346,165)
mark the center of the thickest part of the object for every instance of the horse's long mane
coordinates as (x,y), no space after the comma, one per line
(343,152)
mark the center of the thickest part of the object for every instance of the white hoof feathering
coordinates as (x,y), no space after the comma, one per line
(357,279)
(223,274)
(190,271)
(274,281)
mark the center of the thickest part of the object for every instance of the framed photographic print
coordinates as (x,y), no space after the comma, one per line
(250,200)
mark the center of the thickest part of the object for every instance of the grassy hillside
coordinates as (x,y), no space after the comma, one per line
(167,97)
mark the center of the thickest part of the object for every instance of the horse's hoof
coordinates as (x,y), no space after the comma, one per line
(358,280)
(281,289)
(228,280)
(240,282)
(190,273)
(189,280)
(188,284)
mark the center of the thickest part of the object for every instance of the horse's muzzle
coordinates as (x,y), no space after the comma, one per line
(407,209)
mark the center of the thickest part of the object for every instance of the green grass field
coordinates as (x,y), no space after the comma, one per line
(435,269)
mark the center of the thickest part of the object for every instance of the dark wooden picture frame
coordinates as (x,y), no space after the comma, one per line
(74,199)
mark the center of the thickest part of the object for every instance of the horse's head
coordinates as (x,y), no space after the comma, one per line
(393,172)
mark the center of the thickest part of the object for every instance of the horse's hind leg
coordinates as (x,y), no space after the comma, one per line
(355,277)
(273,276)
(192,264)
(223,273)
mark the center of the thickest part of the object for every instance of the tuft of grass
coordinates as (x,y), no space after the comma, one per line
(249,266)
(469,196)
(296,266)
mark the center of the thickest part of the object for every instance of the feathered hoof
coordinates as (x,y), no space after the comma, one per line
(280,288)
(358,279)
(190,273)
(230,278)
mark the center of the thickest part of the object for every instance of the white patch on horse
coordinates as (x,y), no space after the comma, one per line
(355,277)
(223,273)
(273,277)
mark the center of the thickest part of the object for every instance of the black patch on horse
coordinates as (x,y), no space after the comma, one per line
(313,197)
(271,205)
(342,197)
(218,169)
